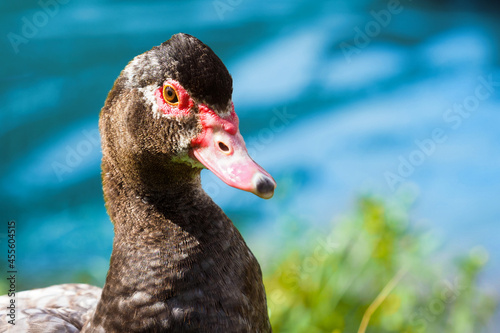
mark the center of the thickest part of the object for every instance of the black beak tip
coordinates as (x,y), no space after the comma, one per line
(265,187)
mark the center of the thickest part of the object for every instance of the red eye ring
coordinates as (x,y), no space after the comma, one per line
(173,99)
(170,95)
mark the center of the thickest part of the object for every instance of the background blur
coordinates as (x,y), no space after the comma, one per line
(336,99)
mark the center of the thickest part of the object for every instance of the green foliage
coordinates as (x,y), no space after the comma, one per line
(373,267)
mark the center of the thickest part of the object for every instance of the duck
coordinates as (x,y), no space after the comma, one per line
(178,263)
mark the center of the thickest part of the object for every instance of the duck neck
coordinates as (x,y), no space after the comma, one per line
(162,217)
(174,251)
(151,197)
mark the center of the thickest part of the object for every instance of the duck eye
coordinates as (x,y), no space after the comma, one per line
(170,95)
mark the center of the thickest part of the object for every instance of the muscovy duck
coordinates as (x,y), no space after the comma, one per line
(178,262)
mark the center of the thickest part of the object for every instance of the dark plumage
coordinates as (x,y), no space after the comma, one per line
(178,263)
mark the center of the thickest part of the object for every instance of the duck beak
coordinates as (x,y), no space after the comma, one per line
(221,149)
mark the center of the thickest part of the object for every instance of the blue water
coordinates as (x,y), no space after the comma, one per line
(330,112)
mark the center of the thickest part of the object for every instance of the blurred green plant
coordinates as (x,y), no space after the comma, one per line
(374,273)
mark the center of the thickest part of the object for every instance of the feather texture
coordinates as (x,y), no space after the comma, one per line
(59,308)
(178,262)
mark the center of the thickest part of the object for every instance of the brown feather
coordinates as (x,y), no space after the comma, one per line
(178,263)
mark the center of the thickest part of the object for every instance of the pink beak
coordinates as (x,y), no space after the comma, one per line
(221,148)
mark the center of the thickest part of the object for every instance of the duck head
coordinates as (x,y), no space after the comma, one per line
(170,111)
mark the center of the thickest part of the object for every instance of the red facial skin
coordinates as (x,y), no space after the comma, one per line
(220,146)
(182,108)
(210,119)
